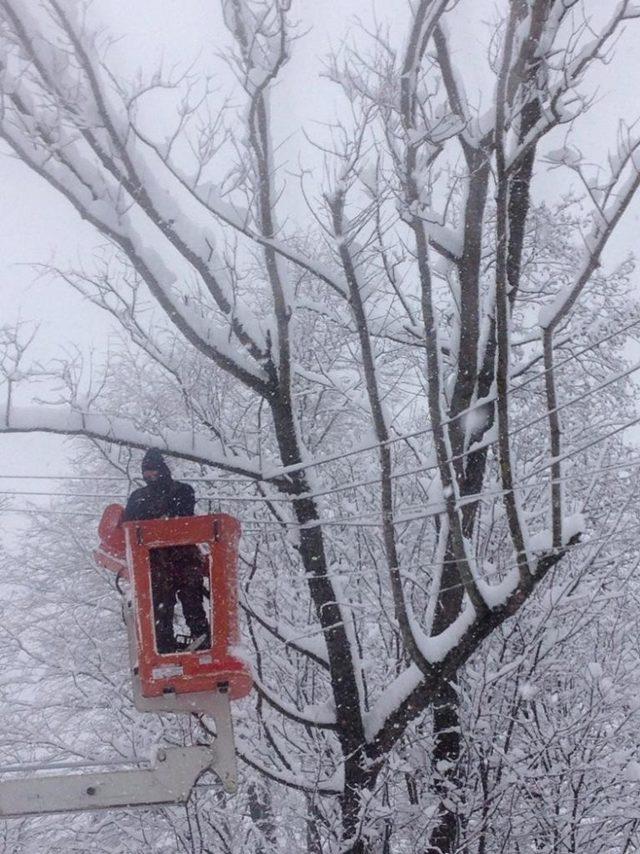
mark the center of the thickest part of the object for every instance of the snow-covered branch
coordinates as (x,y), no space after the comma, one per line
(561,103)
(110,185)
(310,647)
(320,717)
(290,781)
(66,421)
(517,525)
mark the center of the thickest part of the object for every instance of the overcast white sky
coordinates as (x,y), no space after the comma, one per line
(36,225)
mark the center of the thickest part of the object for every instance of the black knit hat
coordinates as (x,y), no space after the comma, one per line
(153,459)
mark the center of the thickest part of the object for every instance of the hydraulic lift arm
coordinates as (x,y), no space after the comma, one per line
(198,682)
(169,779)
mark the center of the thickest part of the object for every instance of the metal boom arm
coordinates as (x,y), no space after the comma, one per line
(169,781)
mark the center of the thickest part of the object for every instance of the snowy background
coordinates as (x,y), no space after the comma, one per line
(444,663)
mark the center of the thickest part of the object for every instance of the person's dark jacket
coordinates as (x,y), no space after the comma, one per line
(176,571)
(164,497)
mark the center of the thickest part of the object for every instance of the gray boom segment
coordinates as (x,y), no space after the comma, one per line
(170,779)
(169,782)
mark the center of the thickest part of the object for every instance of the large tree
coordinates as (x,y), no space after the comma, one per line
(428,293)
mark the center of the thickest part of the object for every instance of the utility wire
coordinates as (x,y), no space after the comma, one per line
(395,475)
(376,445)
(393,439)
(466,499)
(502,570)
(398,520)
(372,481)
(90,477)
(116,496)
(577,354)
(477,405)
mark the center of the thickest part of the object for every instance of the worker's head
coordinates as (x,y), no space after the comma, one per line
(154,468)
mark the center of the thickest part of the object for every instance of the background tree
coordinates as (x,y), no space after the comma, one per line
(430,292)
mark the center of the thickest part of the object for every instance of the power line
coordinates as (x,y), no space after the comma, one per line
(401,438)
(502,571)
(592,541)
(578,398)
(202,498)
(477,496)
(435,466)
(481,445)
(585,447)
(578,353)
(471,498)
(60,494)
(505,570)
(212,479)
(479,404)
(345,487)
(428,510)
(437,508)
(395,475)
(45,511)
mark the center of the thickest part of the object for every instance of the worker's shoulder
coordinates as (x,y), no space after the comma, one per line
(181,486)
(140,492)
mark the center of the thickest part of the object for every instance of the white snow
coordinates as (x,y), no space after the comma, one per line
(571,527)
(595,671)
(392,697)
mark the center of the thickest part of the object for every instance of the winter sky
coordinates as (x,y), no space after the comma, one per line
(37,226)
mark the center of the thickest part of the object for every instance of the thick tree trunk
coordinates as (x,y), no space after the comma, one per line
(446,724)
(359,773)
(445,757)
(360,777)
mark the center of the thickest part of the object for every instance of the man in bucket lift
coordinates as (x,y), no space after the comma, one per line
(175,571)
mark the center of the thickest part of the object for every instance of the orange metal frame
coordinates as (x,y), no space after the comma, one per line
(206,669)
(182,672)
(111,551)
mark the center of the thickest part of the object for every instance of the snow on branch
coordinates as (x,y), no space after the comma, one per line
(317,715)
(426,16)
(409,693)
(59,120)
(66,421)
(332,786)
(208,195)
(259,29)
(561,103)
(392,697)
(613,200)
(312,647)
(471,134)
(444,239)
(82,190)
(621,189)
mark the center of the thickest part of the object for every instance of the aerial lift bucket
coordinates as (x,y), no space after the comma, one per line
(200,681)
